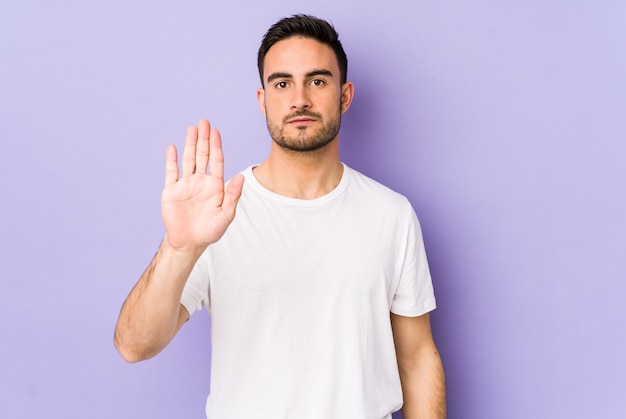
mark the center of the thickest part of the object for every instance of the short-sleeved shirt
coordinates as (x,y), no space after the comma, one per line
(300,294)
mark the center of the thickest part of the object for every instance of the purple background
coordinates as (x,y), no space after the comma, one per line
(503,122)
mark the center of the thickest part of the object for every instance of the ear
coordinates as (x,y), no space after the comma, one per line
(260,97)
(347,93)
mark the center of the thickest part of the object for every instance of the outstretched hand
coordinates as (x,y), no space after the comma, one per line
(196,208)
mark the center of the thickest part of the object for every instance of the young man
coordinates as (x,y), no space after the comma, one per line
(318,288)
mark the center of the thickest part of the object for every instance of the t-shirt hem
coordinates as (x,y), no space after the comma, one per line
(414,311)
(188,304)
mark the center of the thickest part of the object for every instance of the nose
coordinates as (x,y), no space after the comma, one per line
(300,98)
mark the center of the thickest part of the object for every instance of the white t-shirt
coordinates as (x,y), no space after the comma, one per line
(300,293)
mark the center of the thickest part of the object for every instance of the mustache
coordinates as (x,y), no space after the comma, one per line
(301,113)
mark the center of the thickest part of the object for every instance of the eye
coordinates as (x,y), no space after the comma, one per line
(281,85)
(318,82)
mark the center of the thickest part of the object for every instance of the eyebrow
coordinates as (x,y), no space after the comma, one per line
(279,75)
(320,72)
(275,76)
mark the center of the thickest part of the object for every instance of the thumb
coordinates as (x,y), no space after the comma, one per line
(232,195)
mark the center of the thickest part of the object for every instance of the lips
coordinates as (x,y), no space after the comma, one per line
(302,117)
(301,120)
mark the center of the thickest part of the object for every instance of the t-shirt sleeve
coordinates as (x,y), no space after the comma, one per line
(414,295)
(196,291)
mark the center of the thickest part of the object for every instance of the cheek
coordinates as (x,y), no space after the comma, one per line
(335,100)
(272,106)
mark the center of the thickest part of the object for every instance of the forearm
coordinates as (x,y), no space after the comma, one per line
(423,386)
(150,316)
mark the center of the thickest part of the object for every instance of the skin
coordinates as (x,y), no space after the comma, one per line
(196,211)
(302,101)
(420,366)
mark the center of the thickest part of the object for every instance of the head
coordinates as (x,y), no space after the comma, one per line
(304,26)
(303,71)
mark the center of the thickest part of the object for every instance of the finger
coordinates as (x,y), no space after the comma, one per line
(189,153)
(216,155)
(232,195)
(202,147)
(171,165)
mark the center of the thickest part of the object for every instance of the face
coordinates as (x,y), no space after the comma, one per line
(303,98)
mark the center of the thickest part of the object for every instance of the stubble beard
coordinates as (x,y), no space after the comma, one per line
(305,141)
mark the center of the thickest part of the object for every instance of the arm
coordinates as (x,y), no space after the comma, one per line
(196,212)
(421,369)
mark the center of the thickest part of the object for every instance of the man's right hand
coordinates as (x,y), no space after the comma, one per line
(196,212)
(196,208)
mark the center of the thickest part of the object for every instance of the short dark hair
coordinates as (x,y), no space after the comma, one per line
(308,27)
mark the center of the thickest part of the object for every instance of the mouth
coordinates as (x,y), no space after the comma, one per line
(301,120)
(302,117)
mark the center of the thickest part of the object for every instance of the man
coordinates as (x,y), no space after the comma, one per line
(318,288)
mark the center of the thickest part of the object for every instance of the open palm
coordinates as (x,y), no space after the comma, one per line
(196,208)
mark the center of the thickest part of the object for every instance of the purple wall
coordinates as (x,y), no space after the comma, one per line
(504,125)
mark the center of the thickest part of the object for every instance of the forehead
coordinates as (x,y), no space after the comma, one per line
(299,55)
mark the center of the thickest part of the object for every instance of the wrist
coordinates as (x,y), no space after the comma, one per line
(182,253)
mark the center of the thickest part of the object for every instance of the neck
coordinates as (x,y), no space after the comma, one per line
(306,175)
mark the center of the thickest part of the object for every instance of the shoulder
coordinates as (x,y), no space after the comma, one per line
(374,190)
